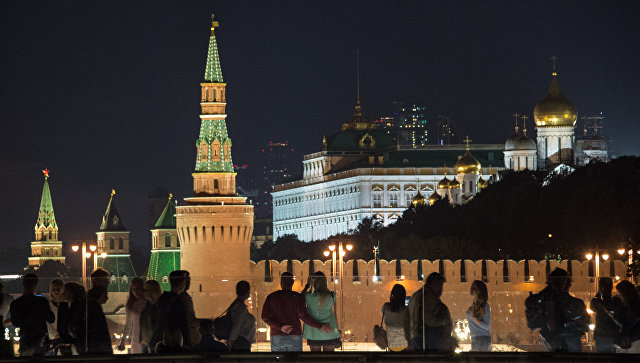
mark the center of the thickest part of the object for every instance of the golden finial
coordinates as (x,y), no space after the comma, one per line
(358,75)
(46,173)
(170,195)
(554,59)
(524,124)
(467,141)
(113,192)
(214,24)
(516,117)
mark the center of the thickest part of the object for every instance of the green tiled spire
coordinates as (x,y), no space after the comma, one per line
(46,217)
(161,264)
(213,71)
(168,217)
(111,220)
(212,130)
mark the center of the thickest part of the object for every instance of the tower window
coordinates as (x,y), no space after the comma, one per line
(121,244)
(112,243)
(167,240)
(216,184)
(165,279)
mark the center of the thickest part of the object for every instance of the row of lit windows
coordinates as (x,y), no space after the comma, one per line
(314,196)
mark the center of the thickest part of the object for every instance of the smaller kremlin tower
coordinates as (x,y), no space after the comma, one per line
(113,238)
(165,250)
(46,245)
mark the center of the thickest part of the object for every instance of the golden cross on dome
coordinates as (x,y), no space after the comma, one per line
(46,173)
(214,24)
(524,123)
(516,115)
(554,59)
(467,141)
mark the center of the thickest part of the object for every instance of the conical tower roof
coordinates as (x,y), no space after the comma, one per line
(168,217)
(213,70)
(111,220)
(46,217)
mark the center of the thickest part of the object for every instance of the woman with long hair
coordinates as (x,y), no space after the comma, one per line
(135,304)
(479,317)
(395,315)
(321,306)
(630,318)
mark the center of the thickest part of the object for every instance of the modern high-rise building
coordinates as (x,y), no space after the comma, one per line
(277,163)
(410,123)
(446,131)
(216,224)
(386,124)
(46,245)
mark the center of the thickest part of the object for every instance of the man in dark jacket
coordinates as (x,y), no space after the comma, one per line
(431,323)
(282,311)
(31,313)
(606,307)
(171,311)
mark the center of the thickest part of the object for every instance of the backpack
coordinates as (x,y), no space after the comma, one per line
(222,324)
(534,311)
(576,318)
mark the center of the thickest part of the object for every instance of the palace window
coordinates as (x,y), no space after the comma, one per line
(377,200)
(121,243)
(393,200)
(112,243)
(167,240)
(409,199)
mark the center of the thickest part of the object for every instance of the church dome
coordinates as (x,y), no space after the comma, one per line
(483,183)
(454,184)
(419,199)
(555,109)
(519,142)
(444,183)
(467,164)
(434,198)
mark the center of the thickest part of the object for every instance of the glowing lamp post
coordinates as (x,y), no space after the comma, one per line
(629,250)
(86,255)
(337,276)
(598,255)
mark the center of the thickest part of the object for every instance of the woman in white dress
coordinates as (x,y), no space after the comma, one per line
(135,305)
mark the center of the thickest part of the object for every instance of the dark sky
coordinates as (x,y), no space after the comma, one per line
(106,94)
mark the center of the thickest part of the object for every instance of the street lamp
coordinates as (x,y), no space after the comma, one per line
(631,265)
(86,255)
(338,275)
(598,255)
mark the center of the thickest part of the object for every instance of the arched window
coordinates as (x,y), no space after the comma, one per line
(112,243)
(165,279)
(215,94)
(215,184)
(121,243)
(46,252)
(167,240)
(125,279)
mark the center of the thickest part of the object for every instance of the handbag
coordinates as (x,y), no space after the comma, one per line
(222,324)
(380,335)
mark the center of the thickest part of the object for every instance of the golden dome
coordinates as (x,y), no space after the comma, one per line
(444,183)
(555,109)
(434,198)
(467,164)
(419,199)
(482,183)
(454,184)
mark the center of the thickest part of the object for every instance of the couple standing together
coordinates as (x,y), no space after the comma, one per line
(315,306)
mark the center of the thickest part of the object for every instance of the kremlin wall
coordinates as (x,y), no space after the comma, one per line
(363,294)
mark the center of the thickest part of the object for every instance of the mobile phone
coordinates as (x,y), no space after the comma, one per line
(406,301)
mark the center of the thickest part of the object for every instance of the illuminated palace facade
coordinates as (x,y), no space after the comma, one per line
(361,173)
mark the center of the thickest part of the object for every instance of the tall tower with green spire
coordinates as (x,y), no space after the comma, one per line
(46,245)
(165,250)
(113,239)
(215,225)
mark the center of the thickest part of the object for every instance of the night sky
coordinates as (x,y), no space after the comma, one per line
(106,94)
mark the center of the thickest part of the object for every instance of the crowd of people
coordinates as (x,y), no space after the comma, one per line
(73,322)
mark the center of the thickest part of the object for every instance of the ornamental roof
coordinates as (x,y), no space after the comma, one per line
(46,217)
(351,140)
(111,220)
(213,70)
(168,217)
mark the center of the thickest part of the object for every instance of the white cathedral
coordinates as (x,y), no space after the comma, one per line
(362,173)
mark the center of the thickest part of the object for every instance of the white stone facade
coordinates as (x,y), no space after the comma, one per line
(555,145)
(519,160)
(324,206)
